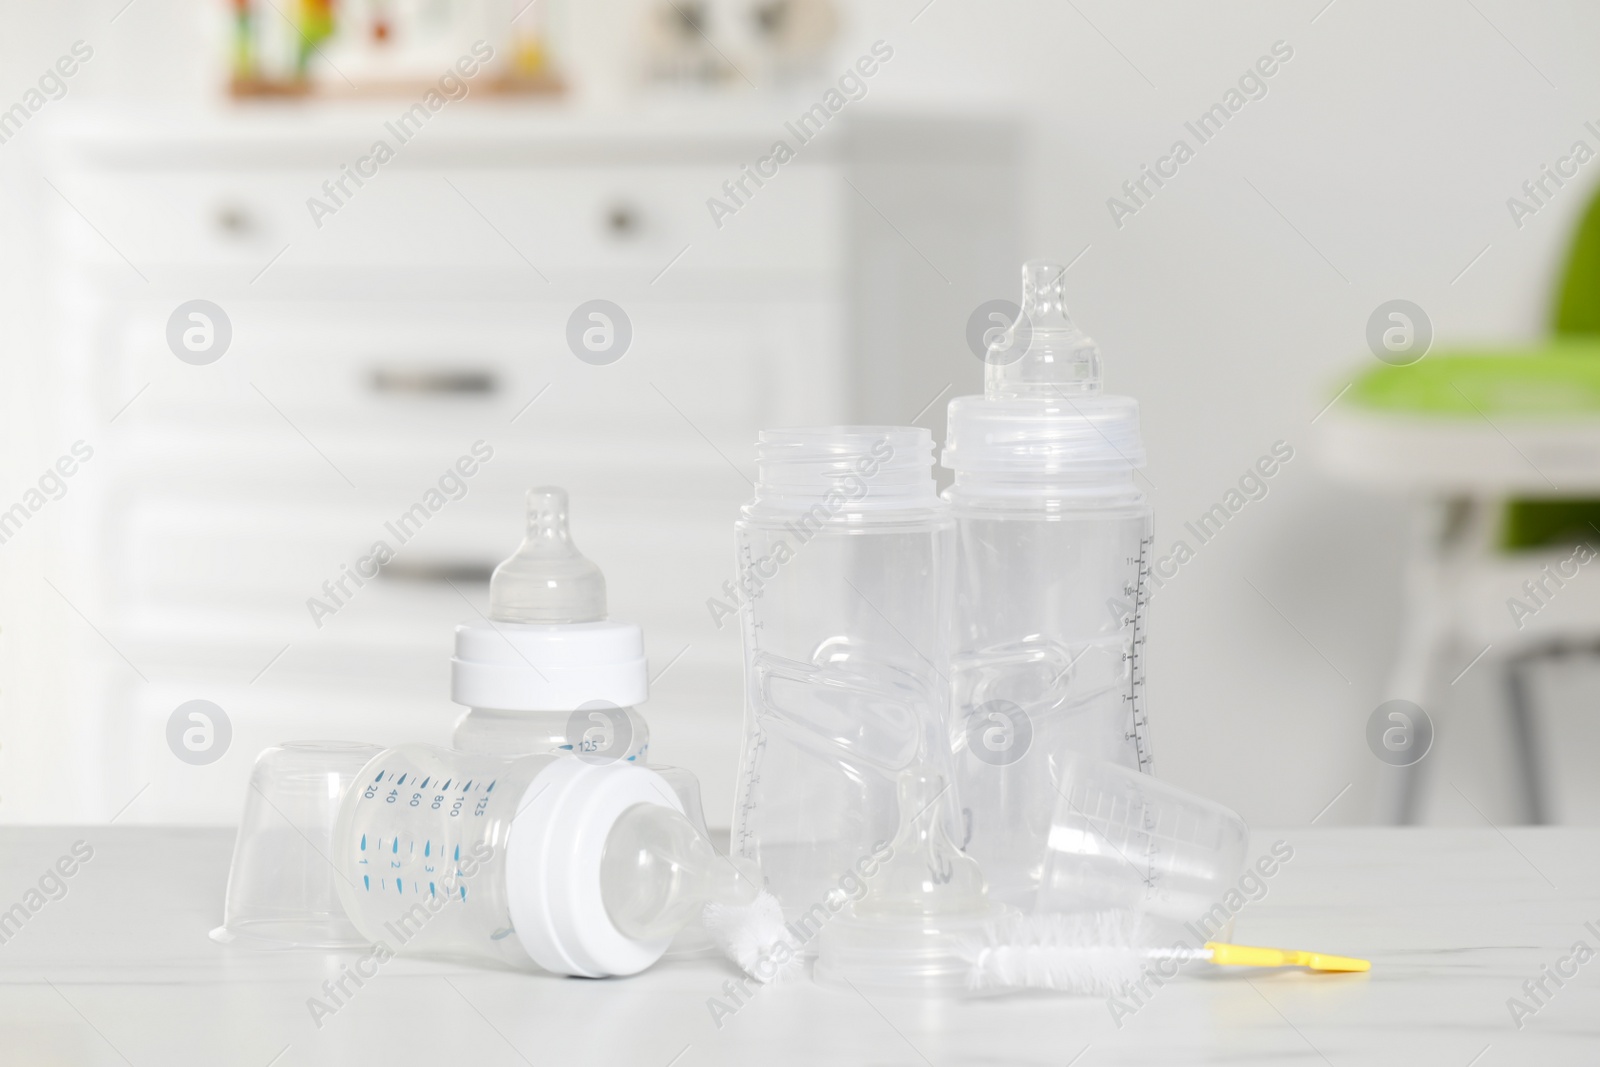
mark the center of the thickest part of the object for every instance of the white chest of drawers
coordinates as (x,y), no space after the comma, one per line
(423,316)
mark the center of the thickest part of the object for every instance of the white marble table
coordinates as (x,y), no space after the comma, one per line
(119,970)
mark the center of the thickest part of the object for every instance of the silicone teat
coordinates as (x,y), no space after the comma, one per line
(1043,355)
(925,902)
(657,873)
(926,873)
(547,580)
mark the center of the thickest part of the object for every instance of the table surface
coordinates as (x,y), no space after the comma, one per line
(119,970)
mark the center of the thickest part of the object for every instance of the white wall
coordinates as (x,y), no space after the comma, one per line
(1389,144)
(1233,305)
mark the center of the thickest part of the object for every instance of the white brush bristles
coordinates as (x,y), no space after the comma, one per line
(754,936)
(1090,954)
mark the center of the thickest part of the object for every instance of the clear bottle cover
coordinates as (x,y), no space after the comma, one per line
(1053,539)
(1129,842)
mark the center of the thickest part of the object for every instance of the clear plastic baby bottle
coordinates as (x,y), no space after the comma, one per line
(844,573)
(1053,542)
(547,671)
(542,861)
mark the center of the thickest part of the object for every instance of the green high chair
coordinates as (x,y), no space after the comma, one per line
(1499,449)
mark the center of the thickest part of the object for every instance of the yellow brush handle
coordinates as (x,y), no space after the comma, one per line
(1250,956)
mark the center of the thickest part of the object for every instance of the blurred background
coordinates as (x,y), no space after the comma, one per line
(387,310)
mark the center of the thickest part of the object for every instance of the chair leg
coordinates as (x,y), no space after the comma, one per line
(1401,789)
(1525,739)
(1406,795)
(1424,639)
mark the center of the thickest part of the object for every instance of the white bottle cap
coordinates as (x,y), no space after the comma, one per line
(553,854)
(558,667)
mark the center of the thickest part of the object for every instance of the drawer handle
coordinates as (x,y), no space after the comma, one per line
(235,221)
(437,570)
(421,381)
(623,221)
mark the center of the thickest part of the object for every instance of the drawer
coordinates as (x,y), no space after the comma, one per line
(266,553)
(626,223)
(454,371)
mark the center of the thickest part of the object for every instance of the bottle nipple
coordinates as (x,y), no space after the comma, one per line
(656,872)
(923,905)
(547,580)
(926,873)
(1043,355)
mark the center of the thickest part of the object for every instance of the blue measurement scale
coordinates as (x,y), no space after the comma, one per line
(389,861)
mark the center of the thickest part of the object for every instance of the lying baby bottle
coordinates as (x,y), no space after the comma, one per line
(1052,539)
(547,861)
(547,671)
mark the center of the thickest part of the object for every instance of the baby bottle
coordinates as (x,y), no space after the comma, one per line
(1052,546)
(844,577)
(547,671)
(548,861)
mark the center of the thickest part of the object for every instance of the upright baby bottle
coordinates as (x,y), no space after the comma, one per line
(547,671)
(1053,539)
(548,861)
(844,572)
